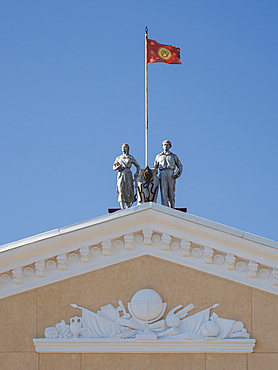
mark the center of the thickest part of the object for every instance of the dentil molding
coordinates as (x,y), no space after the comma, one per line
(147,229)
(132,245)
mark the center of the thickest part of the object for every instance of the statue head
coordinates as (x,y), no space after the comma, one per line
(166,145)
(125,148)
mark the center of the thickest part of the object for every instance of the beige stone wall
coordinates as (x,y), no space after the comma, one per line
(25,316)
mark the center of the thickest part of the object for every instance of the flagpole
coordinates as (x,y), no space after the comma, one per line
(146,96)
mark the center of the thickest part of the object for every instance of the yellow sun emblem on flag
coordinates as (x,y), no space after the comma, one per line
(164,53)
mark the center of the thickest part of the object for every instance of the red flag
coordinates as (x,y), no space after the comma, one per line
(162,53)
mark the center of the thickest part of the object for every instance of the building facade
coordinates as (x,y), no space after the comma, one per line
(184,258)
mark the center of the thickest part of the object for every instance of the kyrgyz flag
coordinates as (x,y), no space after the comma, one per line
(162,53)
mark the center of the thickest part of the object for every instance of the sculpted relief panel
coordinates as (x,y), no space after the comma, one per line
(143,328)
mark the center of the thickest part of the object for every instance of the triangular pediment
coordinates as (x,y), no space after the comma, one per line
(147,229)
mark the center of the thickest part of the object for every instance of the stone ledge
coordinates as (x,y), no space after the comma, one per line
(144,346)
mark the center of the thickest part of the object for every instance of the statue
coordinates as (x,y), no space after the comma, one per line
(147,184)
(125,187)
(167,163)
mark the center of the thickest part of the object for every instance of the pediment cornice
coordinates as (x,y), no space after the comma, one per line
(148,229)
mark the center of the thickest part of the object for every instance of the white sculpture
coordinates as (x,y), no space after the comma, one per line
(170,169)
(143,321)
(125,187)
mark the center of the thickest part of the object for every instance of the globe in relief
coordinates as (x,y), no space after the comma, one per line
(146,305)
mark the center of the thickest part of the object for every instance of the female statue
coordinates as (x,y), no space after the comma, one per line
(125,187)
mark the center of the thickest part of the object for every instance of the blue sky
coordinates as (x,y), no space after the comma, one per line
(72,91)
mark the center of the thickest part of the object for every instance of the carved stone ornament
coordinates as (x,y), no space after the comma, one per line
(142,328)
(147,183)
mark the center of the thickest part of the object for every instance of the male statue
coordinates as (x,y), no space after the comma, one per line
(170,168)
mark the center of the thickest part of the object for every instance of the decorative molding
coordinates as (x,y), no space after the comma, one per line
(73,257)
(174,245)
(234,269)
(118,244)
(253,267)
(166,239)
(89,345)
(84,254)
(139,238)
(28,271)
(17,275)
(275,277)
(241,266)
(219,259)
(208,252)
(5,278)
(185,248)
(156,238)
(116,330)
(230,262)
(196,252)
(62,258)
(157,231)
(128,241)
(95,251)
(147,236)
(146,216)
(264,273)
(106,247)
(85,259)
(39,268)
(51,265)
